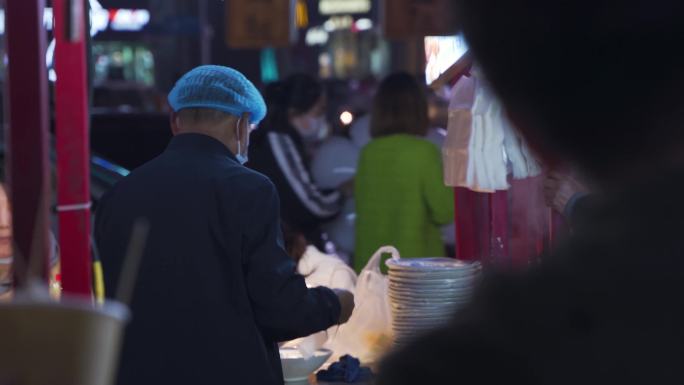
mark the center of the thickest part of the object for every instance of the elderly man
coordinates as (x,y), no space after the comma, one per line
(598,84)
(216,291)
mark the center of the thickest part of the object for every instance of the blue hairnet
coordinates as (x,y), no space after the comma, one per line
(219,88)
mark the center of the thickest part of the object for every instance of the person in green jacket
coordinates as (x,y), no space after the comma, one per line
(401,199)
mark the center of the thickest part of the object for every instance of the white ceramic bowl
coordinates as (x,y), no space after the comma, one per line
(438,264)
(296,368)
(448,282)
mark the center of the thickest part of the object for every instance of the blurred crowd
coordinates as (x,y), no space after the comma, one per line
(601,308)
(374,181)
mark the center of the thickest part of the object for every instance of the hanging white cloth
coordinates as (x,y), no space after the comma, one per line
(481,143)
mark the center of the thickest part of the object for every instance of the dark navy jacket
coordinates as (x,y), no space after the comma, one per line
(216,291)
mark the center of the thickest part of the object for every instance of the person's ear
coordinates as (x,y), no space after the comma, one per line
(175,123)
(244,127)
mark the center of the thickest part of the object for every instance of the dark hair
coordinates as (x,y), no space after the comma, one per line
(399,107)
(596,81)
(298,93)
(295,242)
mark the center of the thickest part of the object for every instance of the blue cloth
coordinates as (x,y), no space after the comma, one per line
(219,88)
(348,370)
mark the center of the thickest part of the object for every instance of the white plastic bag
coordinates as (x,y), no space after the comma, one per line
(341,277)
(368,333)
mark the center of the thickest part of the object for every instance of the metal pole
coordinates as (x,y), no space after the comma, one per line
(73,145)
(27,137)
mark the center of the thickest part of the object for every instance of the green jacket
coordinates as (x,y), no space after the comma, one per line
(401,199)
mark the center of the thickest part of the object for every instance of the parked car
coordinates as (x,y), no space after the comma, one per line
(129,139)
(104,174)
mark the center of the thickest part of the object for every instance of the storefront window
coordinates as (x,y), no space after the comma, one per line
(123,62)
(350,48)
(441,52)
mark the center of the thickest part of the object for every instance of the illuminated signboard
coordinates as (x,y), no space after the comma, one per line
(404,19)
(259,24)
(317,36)
(441,52)
(335,7)
(128,19)
(101,19)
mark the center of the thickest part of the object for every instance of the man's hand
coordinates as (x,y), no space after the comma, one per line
(559,188)
(346,305)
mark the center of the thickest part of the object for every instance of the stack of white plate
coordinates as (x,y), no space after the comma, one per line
(426,292)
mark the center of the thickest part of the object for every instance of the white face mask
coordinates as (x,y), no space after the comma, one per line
(312,128)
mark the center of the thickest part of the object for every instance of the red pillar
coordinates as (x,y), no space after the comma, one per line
(73,152)
(28,161)
(473,225)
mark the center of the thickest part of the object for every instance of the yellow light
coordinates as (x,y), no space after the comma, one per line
(301,14)
(346,118)
(98,278)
